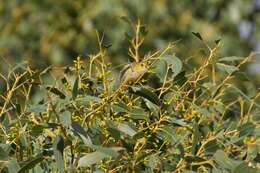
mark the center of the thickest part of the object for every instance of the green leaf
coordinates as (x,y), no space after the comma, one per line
(230,59)
(168,134)
(37,109)
(196,138)
(56,91)
(224,161)
(181,78)
(75,88)
(143,30)
(227,68)
(3,154)
(65,118)
(88,99)
(211,147)
(197,35)
(80,131)
(161,69)
(58,148)
(126,19)
(146,93)
(246,129)
(91,158)
(243,168)
(153,161)
(95,157)
(31,163)
(125,128)
(217,41)
(37,129)
(173,63)
(13,166)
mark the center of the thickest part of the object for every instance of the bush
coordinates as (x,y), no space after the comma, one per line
(175,118)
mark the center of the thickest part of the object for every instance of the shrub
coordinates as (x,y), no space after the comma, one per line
(174,118)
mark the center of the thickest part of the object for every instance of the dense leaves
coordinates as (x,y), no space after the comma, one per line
(80,119)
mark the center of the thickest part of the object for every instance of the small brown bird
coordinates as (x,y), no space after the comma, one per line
(132,72)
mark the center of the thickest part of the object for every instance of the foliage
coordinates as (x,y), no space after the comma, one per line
(175,119)
(55,32)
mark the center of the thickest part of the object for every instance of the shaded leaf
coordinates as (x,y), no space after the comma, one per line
(197,35)
(246,129)
(58,148)
(125,128)
(196,138)
(31,164)
(65,118)
(13,166)
(224,161)
(243,168)
(3,154)
(56,91)
(88,99)
(79,130)
(95,157)
(146,93)
(217,41)
(211,146)
(75,88)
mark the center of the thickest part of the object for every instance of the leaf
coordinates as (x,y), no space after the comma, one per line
(244,95)
(31,163)
(224,161)
(230,59)
(179,122)
(243,168)
(65,118)
(58,148)
(180,79)
(3,154)
(161,69)
(95,157)
(211,147)
(75,88)
(246,129)
(196,138)
(197,35)
(37,129)
(146,93)
(173,63)
(13,166)
(126,19)
(227,68)
(91,158)
(125,128)
(143,30)
(88,99)
(168,134)
(79,130)
(217,41)
(56,91)
(153,161)
(37,109)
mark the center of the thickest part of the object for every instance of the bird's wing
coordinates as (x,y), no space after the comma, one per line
(122,72)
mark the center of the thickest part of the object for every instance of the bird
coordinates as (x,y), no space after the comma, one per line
(132,72)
